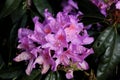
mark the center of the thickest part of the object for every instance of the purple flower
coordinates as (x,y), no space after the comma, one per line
(26,56)
(29,67)
(45,60)
(69,74)
(64,58)
(25,42)
(68,6)
(101,5)
(57,41)
(117,5)
(83,65)
(38,34)
(23,56)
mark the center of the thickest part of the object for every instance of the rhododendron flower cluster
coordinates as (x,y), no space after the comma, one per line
(56,43)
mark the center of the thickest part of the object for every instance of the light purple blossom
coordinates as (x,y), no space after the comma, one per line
(69,74)
(45,60)
(101,5)
(55,42)
(117,5)
(26,43)
(23,56)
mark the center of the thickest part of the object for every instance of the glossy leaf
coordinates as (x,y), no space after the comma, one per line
(110,59)
(12,40)
(23,20)
(18,14)
(10,73)
(41,5)
(53,76)
(9,7)
(103,41)
(108,46)
(34,74)
(13,36)
(1,62)
(58,76)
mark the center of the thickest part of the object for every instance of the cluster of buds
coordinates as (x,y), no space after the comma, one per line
(56,43)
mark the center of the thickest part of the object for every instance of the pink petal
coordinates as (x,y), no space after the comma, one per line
(23,32)
(83,65)
(22,56)
(88,40)
(35,19)
(47,14)
(39,60)
(29,67)
(50,38)
(47,29)
(45,68)
(69,74)
(117,5)
(38,27)
(61,37)
(72,3)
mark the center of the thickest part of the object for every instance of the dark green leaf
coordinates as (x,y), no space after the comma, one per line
(108,46)
(10,73)
(53,76)
(41,5)
(58,76)
(17,14)
(23,20)
(34,74)
(1,62)
(13,35)
(103,41)
(110,59)
(9,7)
(50,76)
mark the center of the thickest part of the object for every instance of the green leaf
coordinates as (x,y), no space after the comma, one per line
(23,20)
(12,72)
(110,59)
(103,41)
(18,14)
(13,41)
(41,5)
(53,76)
(107,47)
(9,7)
(34,74)
(58,76)
(1,62)
(13,36)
